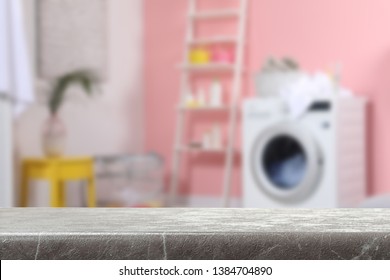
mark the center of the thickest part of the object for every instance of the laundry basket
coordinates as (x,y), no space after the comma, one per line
(129,180)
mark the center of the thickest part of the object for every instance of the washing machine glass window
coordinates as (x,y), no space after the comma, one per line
(287,163)
(284,162)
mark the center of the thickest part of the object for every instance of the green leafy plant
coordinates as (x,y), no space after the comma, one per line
(84,78)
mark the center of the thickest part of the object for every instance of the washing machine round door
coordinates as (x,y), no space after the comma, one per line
(287,163)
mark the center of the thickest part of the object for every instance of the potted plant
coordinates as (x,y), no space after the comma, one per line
(54,132)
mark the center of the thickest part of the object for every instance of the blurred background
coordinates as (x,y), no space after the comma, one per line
(194,103)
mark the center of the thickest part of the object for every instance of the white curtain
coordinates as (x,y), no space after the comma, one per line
(15,63)
(4,63)
(16,90)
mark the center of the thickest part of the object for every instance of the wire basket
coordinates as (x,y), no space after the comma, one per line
(130,180)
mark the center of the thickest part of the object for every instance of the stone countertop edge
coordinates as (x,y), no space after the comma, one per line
(198,234)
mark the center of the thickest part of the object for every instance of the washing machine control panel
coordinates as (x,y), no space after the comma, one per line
(258,111)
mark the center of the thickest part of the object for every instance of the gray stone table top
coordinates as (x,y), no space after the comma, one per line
(194,234)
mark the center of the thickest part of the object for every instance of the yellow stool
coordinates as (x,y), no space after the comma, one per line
(57,171)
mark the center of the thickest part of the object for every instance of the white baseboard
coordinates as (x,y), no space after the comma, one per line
(196,201)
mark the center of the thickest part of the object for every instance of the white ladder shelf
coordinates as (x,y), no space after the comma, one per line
(236,69)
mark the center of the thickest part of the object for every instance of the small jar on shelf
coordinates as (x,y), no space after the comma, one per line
(199,56)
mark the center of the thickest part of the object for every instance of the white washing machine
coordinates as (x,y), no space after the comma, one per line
(315,161)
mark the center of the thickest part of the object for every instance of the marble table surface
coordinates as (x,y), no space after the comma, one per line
(126,234)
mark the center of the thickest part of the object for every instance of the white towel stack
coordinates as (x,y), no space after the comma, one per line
(300,95)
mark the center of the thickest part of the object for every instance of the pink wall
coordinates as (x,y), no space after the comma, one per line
(317,33)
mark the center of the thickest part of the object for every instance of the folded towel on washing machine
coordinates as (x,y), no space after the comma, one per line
(300,95)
